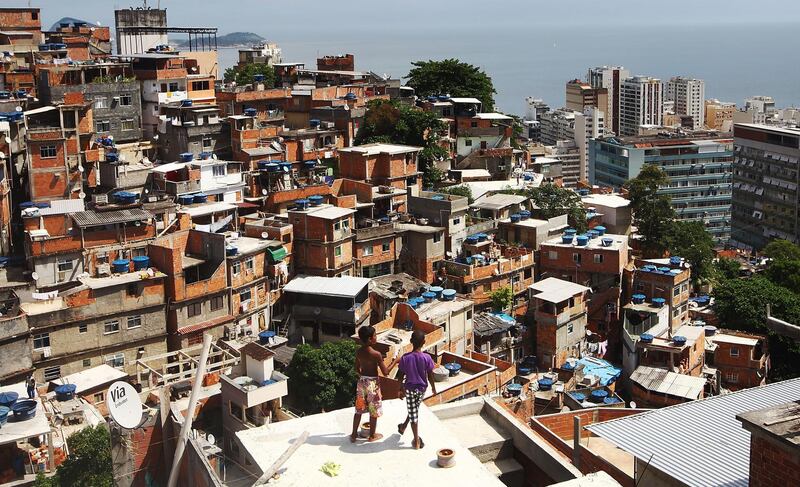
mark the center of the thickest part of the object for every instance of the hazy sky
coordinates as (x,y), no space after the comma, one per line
(271,18)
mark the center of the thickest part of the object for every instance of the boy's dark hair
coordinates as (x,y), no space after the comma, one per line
(365,333)
(417,338)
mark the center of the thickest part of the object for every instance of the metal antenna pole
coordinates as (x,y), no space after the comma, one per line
(187,422)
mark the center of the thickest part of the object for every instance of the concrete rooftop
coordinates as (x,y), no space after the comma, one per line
(388,462)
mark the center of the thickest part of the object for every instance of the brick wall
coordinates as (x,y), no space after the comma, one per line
(772,464)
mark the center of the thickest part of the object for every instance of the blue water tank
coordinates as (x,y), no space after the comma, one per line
(121,266)
(428,296)
(582,240)
(570,231)
(664,270)
(524,214)
(250,112)
(301,204)
(472,239)
(482,237)
(545,384)
(598,395)
(231,251)
(522,370)
(112,157)
(679,340)
(638,298)
(309,164)
(264,336)
(448,295)
(42,204)
(186,103)
(674,260)
(646,338)
(515,218)
(659,302)
(436,290)
(141,262)
(314,123)
(601,230)
(187,157)
(315,200)
(186,199)
(5,95)
(578,396)
(567,239)
(607,241)
(514,389)
(205,155)
(583,192)
(711,330)
(200,198)
(438,197)
(65,392)
(258,78)
(263,164)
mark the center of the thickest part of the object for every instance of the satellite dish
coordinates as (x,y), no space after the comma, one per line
(124,405)
(81,195)
(155,137)
(19,109)
(146,191)
(264,191)
(211,439)
(264,235)
(35,276)
(8,140)
(2,155)
(80,169)
(632,405)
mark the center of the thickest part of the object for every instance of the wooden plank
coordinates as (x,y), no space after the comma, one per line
(272,470)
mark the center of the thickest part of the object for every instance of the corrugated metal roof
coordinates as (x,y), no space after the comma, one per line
(345,286)
(93,218)
(666,382)
(554,290)
(699,443)
(487,324)
(62,207)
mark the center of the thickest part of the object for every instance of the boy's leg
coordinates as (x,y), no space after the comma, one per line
(356,424)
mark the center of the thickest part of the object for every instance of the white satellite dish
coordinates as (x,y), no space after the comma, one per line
(124,405)
(80,169)
(2,155)
(35,276)
(19,109)
(264,192)
(211,439)
(8,140)
(264,235)
(632,405)
(81,195)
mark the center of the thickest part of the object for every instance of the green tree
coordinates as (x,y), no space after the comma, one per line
(397,123)
(785,273)
(323,378)
(453,77)
(652,212)
(460,190)
(725,269)
(243,75)
(88,463)
(502,298)
(741,304)
(691,241)
(551,201)
(782,249)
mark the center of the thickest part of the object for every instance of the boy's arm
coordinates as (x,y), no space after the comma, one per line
(358,365)
(377,355)
(432,381)
(395,359)
(400,377)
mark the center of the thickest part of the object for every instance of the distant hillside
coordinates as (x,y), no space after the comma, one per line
(231,40)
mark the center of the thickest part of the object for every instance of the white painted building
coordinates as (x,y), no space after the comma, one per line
(610,78)
(688,95)
(588,125)
(641,103)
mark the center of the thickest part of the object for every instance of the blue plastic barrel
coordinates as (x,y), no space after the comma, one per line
(598,395)
(65,392)
(659,302)
(524,214)
(545,384)
(436,290)
(570,231)
(607,241)
(679,340)
(301,204)
(448,295)
(567,239)
(638,298)
(141,262)
(200,198)
(186,199)
(514,389)
(592,234)
(428,296)
(582,240)
(522,370)
(315,200)
(601,230)
(264,336)
(646,338)
(121,266)
(8,398)
(187,157)
(250,112)
(515,218)
(454,368)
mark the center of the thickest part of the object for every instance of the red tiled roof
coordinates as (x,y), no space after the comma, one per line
(204,324)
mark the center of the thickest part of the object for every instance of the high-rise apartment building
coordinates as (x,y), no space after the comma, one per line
(581,95)
(640,103)
(689,96)
(699,171)
(588,125)
(719,115)
(765,185)
(610,78)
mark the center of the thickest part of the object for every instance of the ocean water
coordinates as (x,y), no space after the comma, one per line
(735,60)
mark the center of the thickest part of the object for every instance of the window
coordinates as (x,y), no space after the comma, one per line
(40,341)
(216,303)
(87,362)
(236,410)
(111,327)
(173,86)
(47,151)
(83,328)
(437,237)
(468,142)
(64,265)
(552,255)
(570,328)
(456,221)
(598,258)
(116,360)
(732,377)
(576,257)
(734,351)
(236,268)
(219,170)
(52,373)
(125,100)
(99,397)
(129,124)
(676,291)
(337,226)
(337,251)
(249,265)
(103,126)
(100,102)
(194,309)
(244,295)
(134,322)
(366,250)
(474,124)
(208,142)
(676,313)
(469,314)
(199,85)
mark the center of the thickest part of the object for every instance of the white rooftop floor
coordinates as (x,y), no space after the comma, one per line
(389,462)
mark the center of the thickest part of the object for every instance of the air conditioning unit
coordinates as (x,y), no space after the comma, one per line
(103,270)
(100,199)
(47,352)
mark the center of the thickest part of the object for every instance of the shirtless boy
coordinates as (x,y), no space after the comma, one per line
(368,390)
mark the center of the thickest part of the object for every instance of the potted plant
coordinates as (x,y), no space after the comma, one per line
(445,457)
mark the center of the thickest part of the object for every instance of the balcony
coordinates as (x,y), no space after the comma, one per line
(246,392)
(181,187)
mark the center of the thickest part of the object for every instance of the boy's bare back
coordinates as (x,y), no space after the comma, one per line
(368,361)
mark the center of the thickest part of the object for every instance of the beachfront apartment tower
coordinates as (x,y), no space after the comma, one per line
(689,97)
(610,78)
(640,103)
